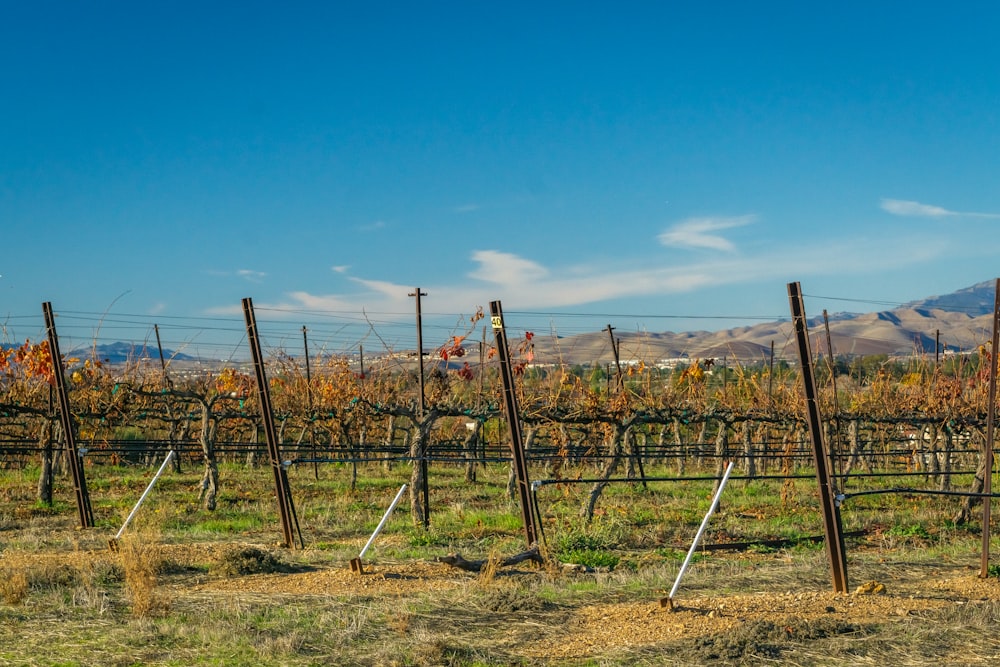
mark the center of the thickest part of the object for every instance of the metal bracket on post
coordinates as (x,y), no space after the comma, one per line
(75,457)
(286,507)
(514,422)
(827,494)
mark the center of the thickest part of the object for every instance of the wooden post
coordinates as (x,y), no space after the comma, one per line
(286,508)
(614,351)
(514,423)
(984,570)
(84,510)
(831,511)
(425,484)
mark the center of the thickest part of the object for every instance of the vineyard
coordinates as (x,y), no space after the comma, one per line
(621,456)
(894,417)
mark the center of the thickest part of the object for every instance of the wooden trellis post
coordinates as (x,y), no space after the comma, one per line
(286,507)
(75,462)
(514,423)
(831,511)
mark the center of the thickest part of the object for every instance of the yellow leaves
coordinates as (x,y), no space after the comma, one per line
(637,369)
(231,381)
(693,373)
(335,384)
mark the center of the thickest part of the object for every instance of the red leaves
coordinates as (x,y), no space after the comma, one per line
(452,349)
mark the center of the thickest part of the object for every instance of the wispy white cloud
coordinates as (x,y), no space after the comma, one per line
(251,276)
(502,268)
(526,283)
(916,209)
(372,226)
(466,208)
(913,208)
(342,268)
(246,274)
(700,232)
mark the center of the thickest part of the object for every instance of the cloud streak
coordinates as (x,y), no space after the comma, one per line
(907,208)
(251,276)
(700,233)
(524,283)
(501,268)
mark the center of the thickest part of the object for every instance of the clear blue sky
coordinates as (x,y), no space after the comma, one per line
(631,160)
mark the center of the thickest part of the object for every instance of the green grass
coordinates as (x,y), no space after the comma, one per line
(634,545)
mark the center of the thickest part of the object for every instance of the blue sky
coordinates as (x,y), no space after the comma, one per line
(630,161)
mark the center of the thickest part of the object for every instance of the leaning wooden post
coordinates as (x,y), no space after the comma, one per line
(424,483)
(75,462)
(514,423)
(831,510)
(984,570)
(286,508)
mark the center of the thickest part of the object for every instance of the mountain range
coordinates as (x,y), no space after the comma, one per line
(955,322)
(121,352)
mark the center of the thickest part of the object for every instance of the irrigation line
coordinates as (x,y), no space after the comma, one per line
(636,480)
(905,474)
(927,492)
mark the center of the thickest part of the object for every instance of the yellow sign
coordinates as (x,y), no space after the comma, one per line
(497,321)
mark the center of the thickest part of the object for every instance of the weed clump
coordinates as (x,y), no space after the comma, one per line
(140,563)
(13,586)
(242,561)
(767,640)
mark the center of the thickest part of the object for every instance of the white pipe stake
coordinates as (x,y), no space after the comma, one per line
(701,529)
(170,456)
(381,524)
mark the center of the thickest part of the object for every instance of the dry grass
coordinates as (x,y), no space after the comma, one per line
(141,559)
(199,588)
(13,585)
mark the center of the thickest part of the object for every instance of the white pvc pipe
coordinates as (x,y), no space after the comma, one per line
(170,456)
(381,524)
(701,529)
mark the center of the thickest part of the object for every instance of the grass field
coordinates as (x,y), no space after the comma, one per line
(191,587)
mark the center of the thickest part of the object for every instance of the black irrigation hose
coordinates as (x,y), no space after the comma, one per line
(638,480)
(400,459)
(906,474)
(927,492)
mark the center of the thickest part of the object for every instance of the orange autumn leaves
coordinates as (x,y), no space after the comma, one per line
(28,361)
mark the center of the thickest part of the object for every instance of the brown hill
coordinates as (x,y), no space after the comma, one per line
(904,331)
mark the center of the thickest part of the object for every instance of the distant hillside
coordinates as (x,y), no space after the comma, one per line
(960,321)
(974,301)
(119,353)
